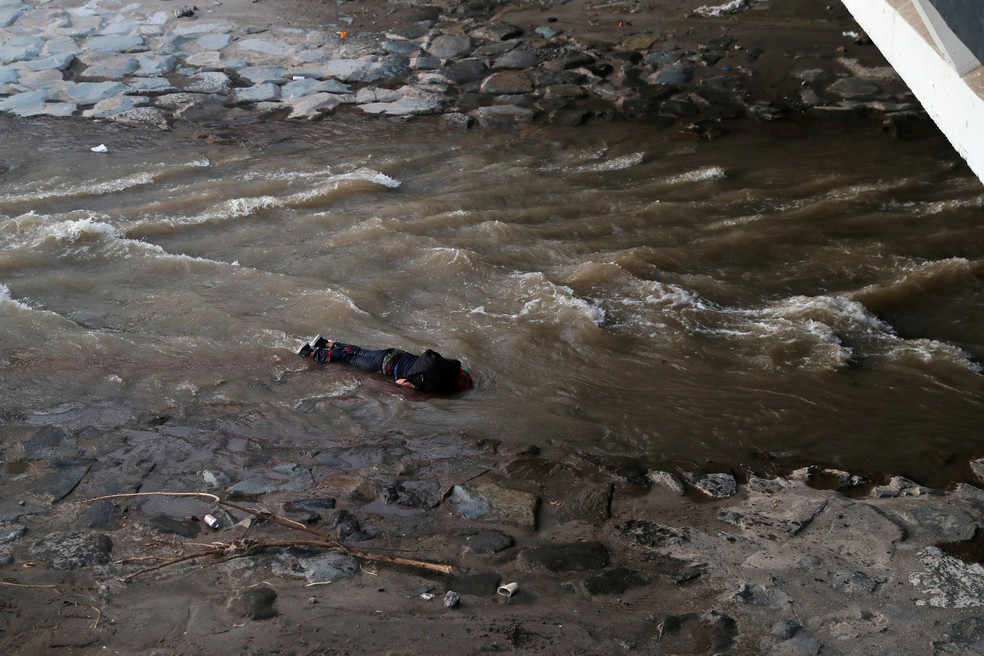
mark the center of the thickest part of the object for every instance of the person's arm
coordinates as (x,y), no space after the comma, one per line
(403,382)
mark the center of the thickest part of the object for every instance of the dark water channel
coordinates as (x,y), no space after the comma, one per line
(755,302)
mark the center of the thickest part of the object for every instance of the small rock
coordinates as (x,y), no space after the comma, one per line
(718,486)
(667,480)
(215,479)
(452,599)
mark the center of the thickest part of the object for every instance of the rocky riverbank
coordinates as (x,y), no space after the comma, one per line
(607,557)
(689,65)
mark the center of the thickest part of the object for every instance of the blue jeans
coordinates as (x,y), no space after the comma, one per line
(389,362)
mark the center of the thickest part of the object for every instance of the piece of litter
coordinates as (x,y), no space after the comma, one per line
(851,34)
(298,77)
(427,596)
(101,148)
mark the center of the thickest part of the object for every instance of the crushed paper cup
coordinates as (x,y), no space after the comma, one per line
(508,590)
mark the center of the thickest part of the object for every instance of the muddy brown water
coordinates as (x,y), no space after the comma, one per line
(752,302)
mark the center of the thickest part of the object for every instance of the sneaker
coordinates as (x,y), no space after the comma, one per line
(306,351)
(320,342)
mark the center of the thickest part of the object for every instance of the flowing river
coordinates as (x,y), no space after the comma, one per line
(755,302)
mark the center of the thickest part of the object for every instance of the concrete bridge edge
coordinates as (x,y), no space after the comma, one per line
(954,102)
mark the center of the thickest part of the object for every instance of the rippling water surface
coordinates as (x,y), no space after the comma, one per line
(752,300)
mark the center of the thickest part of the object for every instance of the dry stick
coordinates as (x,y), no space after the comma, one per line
(173,561)
(323,540)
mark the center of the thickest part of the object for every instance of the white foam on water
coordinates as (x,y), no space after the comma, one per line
(76,190)
(614,164)
(698,175)
(32,231)
(233,208)
(6,298)
(551,301)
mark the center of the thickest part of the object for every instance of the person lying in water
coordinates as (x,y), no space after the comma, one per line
(429,372)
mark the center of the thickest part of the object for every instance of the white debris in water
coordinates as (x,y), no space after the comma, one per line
(101,148)
(715,11)
(614,164)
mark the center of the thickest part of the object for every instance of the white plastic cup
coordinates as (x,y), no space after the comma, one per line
(509,589)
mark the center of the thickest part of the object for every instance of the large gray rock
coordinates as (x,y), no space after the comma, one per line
(305,87)
(286,477)
(316,104)
(486,501)
(30,103)
(74,550)
(110,66)
(348,70)
(404,107)
(717,486)
(261,74)
(10,14)
(949,582)
(258,93)
(860,533)
(768,514)
(321,568)
(122,43)
(20,48)
(209,82)
(503,116)
(151,64)
(388,68)
(450,46)
(517,59)
(113,106)
(59,483)
(89,93)
(57,62)
(507,83)
(465,71)
(150,86)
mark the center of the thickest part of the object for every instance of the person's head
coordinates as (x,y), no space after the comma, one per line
(465,381)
